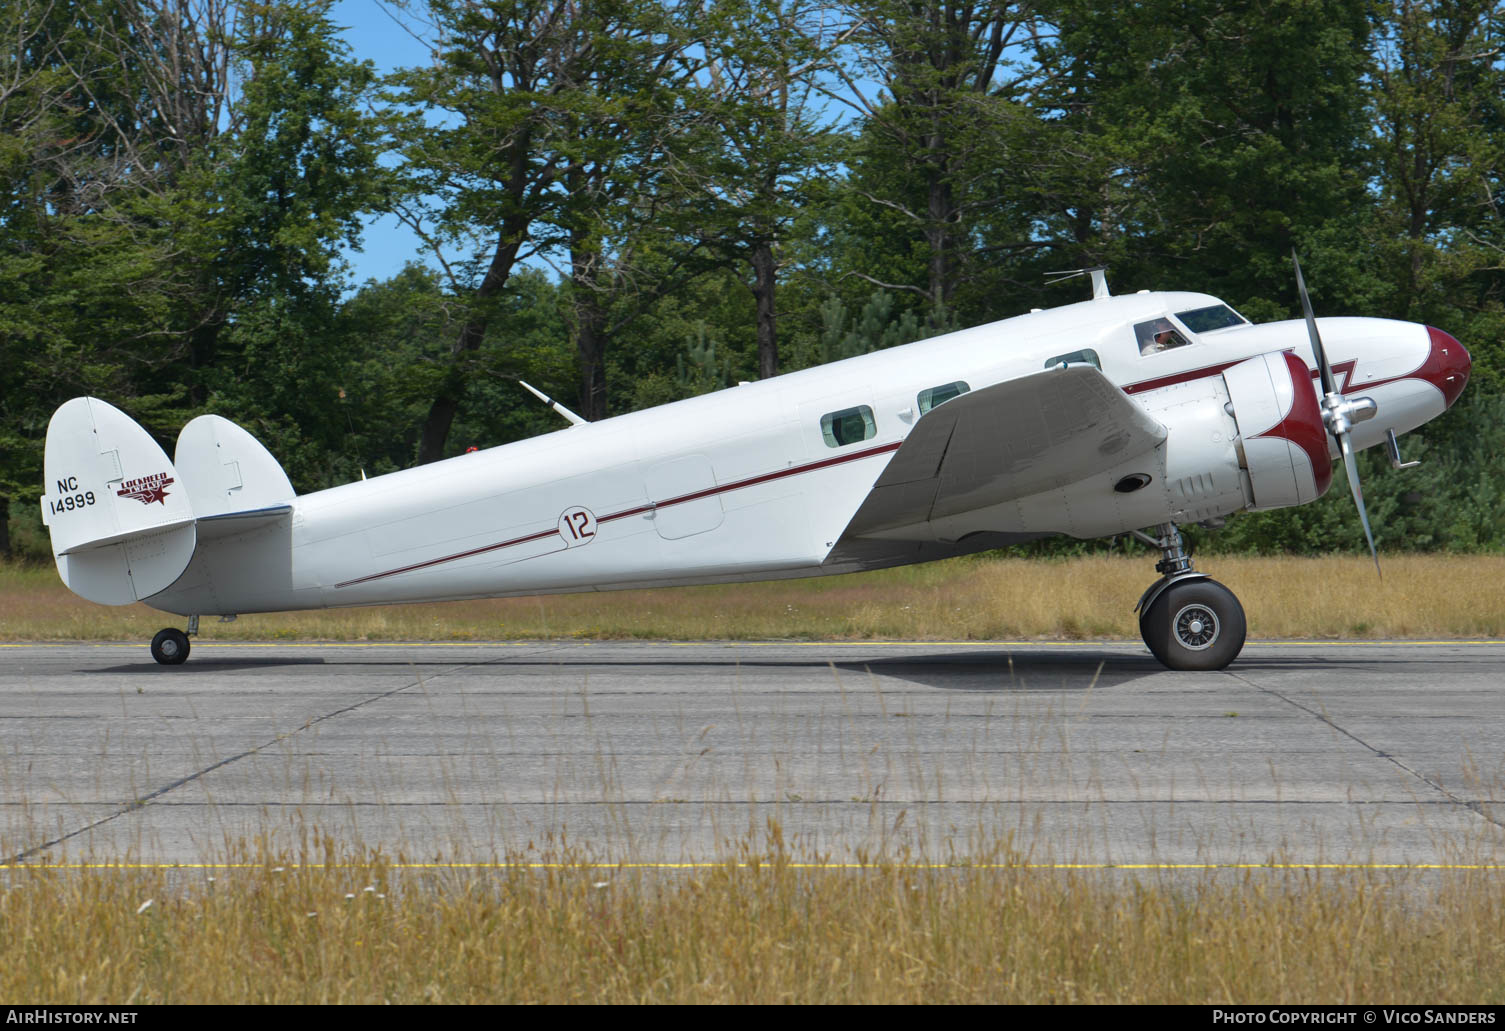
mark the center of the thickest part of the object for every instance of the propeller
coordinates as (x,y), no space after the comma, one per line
(1338,413)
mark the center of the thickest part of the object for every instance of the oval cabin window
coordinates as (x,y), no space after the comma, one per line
(848,426)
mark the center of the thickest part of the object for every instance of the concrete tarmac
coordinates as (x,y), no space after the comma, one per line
(1308,753)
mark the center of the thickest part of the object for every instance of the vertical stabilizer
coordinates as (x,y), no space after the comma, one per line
(226,470)
(122,525)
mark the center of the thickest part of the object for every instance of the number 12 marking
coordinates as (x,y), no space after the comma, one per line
(577,526)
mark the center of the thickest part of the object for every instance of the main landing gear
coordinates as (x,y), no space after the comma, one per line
(1188,620)
(170,646)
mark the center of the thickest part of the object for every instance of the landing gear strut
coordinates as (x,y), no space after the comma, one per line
(170,646)
(1188,620)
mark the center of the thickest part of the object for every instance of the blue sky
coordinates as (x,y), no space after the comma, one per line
(375,32)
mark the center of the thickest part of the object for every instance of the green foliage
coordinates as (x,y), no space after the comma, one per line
(700,369)
(1438,147)
(873,328)
(291,180)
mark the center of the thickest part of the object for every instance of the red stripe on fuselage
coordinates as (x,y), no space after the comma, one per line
(1181,377)
(451,558)
(751,481)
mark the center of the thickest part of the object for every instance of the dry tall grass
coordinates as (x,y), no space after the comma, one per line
(768,931)
(964,599)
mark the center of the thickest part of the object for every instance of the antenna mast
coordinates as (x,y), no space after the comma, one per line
(1099,274)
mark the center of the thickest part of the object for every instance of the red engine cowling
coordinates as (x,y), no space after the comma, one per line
(1282,441)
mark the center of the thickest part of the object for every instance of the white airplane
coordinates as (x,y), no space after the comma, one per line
(1089,420)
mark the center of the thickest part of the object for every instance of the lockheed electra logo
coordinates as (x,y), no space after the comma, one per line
(147,489)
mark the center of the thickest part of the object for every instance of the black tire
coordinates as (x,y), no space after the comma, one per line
(1194,625)
(170,647)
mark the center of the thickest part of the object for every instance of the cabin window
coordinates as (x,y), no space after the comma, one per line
(848,426)
(929,399)
(1086,356)
(1205,320)
(1158,335)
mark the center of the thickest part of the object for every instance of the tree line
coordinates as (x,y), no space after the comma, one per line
(627,202)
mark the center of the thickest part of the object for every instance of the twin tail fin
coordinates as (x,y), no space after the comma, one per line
(125,520)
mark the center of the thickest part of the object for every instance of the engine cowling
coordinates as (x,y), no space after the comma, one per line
(1282,441)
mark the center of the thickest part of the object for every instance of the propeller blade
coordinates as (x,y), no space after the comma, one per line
(1335,411)
(1329,384)
(1351,467)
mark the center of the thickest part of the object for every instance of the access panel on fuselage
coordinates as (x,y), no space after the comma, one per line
(684,496)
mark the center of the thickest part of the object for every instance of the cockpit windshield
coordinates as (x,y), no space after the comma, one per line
(1205,320)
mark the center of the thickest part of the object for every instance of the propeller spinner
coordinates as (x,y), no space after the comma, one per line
(1338,412)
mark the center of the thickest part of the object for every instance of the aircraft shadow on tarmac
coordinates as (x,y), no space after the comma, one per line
(970,671)
(981,670)
(209,666)
(998,671)
(1003,671)
(1045,670)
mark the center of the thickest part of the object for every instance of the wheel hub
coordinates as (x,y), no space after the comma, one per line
(1195,627)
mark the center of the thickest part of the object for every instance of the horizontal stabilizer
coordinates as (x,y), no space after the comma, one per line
(118,538)
(228,524)
(122,525)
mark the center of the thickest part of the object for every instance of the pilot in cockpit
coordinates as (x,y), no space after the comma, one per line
(1159,335)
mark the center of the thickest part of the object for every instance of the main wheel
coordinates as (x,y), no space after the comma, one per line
(1195,624)
(170,647)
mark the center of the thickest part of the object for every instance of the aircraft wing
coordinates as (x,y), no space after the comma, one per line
(1007,441)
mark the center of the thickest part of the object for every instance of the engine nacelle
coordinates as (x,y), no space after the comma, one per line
(1202,475)
(1282,441)
(1252,438)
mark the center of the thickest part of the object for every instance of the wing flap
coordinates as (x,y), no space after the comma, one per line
(1005,442)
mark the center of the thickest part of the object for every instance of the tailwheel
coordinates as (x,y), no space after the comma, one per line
(1194,624)
(170,647)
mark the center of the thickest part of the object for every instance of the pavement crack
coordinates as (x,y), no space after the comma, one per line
(143,801)
(1472,805)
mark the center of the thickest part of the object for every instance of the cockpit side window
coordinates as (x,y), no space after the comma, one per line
(1205,320)
(1158,335)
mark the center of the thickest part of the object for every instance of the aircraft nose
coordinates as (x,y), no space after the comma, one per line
(1448,365)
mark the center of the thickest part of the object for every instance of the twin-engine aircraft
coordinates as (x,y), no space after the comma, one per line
(1090,420)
